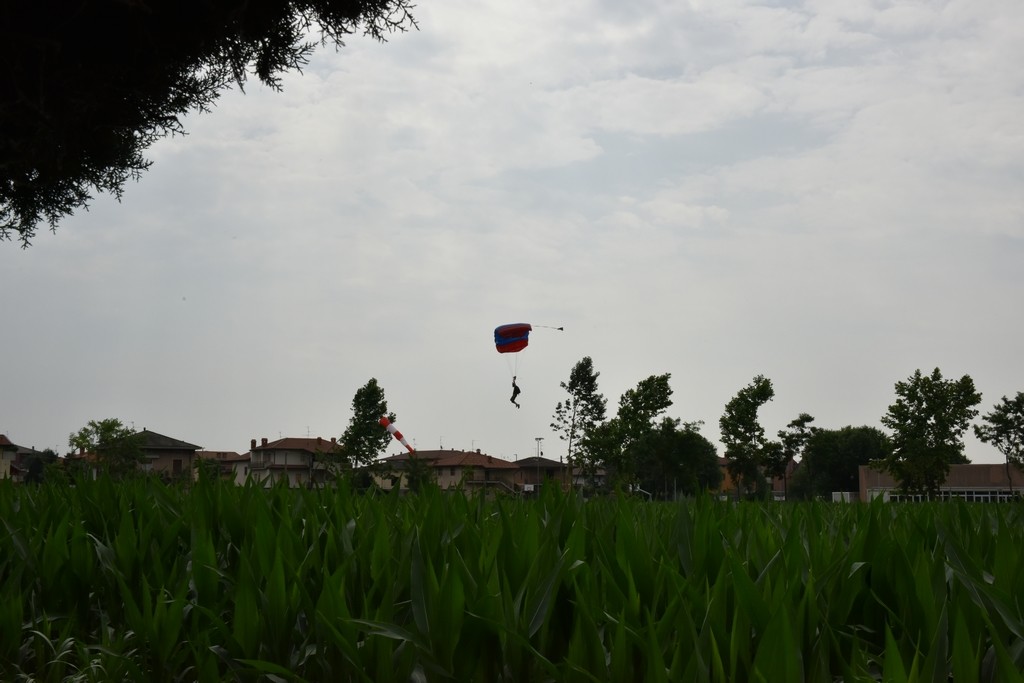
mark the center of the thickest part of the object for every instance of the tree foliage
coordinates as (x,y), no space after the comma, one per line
(364,439)
(743,436)
(118,449)
(832,458)
(928,421)
(89,86)
(599,447)
(1004,429)
(37,464)
(788,448)
(793,439)
(418,474)
(674,459)
(639,408)
(616,444)
(582,410)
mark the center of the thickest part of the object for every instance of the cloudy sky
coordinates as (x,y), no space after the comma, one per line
(829,193)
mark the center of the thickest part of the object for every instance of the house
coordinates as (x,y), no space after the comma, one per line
(21,463)
(589,478)
(168,457)
(298,461)
(452,469)
(390,471)
(984,482)
(29,464)
(780,485)
(532,472)
(164,456)
(7,454)
(474,471)
(82,463)
(226,465)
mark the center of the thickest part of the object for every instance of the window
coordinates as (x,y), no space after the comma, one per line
(176,467)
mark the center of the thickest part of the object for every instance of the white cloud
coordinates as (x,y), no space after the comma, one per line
(824,192)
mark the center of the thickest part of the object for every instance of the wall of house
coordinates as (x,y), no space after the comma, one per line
(985,481)
(383,481)
(527,475)
(293,458)
(270,466)
(241,472)
(164,463)
(450,477)
(506,476)
(297,478)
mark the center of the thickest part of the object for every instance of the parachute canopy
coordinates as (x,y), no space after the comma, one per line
(512,338)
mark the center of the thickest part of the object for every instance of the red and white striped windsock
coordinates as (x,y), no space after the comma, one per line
(386,423)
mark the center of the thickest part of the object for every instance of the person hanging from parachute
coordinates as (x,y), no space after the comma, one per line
(513,338)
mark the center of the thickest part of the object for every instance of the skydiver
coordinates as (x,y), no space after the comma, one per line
(515,392)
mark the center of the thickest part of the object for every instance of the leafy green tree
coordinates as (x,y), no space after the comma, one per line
(675,459)
(743,437)
(364,439)
(832,457)
(615,444)
(928,421)
(37,465)
(582,410)
(599,446)
(1004,429)
(791,444)
(639,408)
(773,464)
(89,86)
(418,473)
(117,448)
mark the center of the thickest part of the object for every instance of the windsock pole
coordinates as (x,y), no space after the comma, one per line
(386,423)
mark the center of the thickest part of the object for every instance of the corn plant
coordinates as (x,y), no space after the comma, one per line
(135,580)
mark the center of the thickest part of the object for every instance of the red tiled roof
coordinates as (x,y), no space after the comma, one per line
(422,455)
(4,441)
(544,463)
(454,458)
(464,459)
(153,441)
(222,456)
(312,445)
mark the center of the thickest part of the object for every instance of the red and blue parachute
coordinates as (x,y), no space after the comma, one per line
(512,338)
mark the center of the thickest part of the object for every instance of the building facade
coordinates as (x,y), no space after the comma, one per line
(300,462)
(166,456)
(226,465)
(983,483)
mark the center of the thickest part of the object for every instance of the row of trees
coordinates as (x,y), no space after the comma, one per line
(641,448)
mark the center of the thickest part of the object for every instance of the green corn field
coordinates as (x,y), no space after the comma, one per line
(139,581)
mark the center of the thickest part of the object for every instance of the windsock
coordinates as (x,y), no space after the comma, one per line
(386,423)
